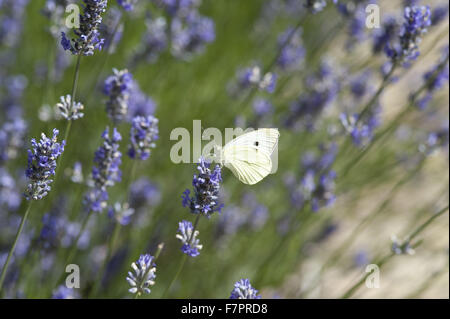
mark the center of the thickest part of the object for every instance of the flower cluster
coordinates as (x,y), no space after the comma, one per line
(62,292)
(87,35)
(249,213)
(244,290)
(188,237)
(42,165)
(121,213)
(361,130)
(252,77)
(106,172)
(9,196)
(316,184)
(293,52)
(187,32)
(206,190)
(68,110)
(417,19)
(118,88)
(11,138)
(11,17)
(435,79)
(142,276)
(323,87)
(401,247)
(127,5)
(143,134)
(190,34)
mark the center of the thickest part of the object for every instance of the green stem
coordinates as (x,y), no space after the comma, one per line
(384,260)
(13,247)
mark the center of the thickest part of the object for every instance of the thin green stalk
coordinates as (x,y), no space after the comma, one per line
(13,247)
(384,260)
(183,260)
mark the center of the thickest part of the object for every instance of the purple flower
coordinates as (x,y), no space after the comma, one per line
(384,35)
(62,292)
(9,196)
(361,130)
(323,87)
(87,35)
(316,184)
(252,77)
(417,19)
(190,34)
(122,213)
(435,79)
(206,190)
(118,88)
(293,52)
(127,5)
(188,237)
(144,193)
(106,172)
(244,290)
(144,132)
(11,139)
(142,276)
(11,21)
(42,165)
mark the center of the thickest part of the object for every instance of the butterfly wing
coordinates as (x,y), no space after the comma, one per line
(249,164)
(264,139)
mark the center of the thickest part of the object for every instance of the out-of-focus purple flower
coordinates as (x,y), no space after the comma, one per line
(293,52)
(9,196)
(11,21)
(178,7)
(417,19)
(360,85)
(435,79)
(244,290)
(142,276)
(127,5)
(154,40)
(206,190)
(317,183)
(252,77)
(401,247)
(122,213)
(11,139)
(188,237)
(384,35)
(112,29)
(106,172)
(42,165)
(139,103)
(361,259)
(144,132)
(438,139)
(144,193)
(62,292)
(322,88)
(439,13)
(361,130)
(87,37)
(118,88)
(191,34)
(262,107)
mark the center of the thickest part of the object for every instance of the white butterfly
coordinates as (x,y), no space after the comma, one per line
(249,155)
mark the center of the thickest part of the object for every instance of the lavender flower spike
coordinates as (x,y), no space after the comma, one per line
(244,290)
(68,111)
(144,132)
(87,35)
(118,88)
(143,275)
(42,165)
(206,190)
(191,244)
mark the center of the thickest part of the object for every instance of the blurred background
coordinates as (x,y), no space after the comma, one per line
(363,152)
